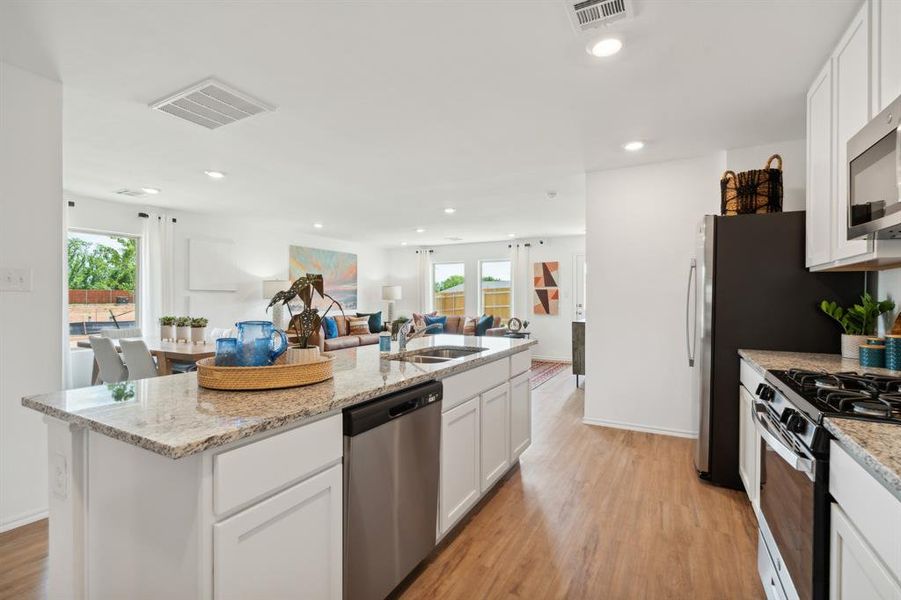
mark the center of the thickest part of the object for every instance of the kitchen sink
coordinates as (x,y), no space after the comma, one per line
(437,355)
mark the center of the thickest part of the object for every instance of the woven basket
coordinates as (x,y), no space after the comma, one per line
(277,376)
(749,192)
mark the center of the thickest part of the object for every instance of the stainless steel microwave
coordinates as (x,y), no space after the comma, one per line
(874,176)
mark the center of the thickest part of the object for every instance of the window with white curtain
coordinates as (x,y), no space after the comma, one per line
(449,288)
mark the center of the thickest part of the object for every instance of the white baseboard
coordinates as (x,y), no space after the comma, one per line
(22,520)
(641,428)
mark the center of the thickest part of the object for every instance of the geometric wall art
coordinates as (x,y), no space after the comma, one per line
(546,296)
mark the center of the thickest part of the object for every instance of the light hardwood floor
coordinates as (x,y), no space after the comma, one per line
(591,513)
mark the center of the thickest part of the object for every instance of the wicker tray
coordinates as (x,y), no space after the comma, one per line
(277,376)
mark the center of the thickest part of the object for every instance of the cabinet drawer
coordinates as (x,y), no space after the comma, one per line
(520,362)
(873,510)
(460,388)
(256,469)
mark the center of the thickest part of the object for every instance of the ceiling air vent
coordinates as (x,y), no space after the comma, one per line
(129,192)
(594,13)
(211,104)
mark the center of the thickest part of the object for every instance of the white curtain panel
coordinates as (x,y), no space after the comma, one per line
(157,271)
(425,280)
(522,280)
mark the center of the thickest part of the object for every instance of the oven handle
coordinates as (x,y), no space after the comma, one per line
(772,438)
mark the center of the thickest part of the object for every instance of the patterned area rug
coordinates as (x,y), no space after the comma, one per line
(543,370)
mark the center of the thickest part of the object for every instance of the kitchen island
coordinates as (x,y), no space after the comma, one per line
(160,488)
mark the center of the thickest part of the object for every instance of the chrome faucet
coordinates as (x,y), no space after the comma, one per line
(404,335)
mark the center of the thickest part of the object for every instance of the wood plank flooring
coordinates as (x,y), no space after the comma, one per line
(591,513)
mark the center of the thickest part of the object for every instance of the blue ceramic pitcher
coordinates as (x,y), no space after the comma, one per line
(257,346)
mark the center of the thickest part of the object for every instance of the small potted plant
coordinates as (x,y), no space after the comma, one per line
(167,328)
(183,329)
(307,322)
(198,329)
(858,322)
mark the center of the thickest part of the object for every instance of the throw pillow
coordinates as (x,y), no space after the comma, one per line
(359,326)
(330,327)
(375,321)
(484,324)
(469,326)
(419,319)
(433,320)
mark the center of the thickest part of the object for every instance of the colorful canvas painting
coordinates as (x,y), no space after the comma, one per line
(339,272)
(546,297)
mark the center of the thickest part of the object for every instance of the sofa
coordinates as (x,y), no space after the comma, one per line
(455,325)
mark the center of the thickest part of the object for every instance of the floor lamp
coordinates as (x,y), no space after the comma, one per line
(390,294)
(270,288)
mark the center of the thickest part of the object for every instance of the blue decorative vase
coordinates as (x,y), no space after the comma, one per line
(257,346)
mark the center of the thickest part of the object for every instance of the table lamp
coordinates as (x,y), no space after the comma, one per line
(390,293)
(270,288)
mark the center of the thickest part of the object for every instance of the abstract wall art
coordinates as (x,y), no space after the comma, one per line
(546,297)
(339,273)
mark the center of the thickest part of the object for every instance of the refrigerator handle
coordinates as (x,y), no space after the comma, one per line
(691,279)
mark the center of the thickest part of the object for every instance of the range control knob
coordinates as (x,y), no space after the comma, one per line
(766,392)
(796,423)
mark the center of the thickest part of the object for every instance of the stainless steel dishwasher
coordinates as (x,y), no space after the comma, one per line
(391,447)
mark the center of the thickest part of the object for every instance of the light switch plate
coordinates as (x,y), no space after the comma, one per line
(14,279)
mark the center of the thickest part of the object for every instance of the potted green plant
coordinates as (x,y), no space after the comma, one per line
(183,329)
(167,328)
(857,322)
(198,329)
(307,322)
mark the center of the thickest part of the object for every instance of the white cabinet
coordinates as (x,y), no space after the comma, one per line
(819,169)
(886,52)
(855,570)
(288,546)
(520,415)
(495,433)
(460,462)
(851,111)
(748,447)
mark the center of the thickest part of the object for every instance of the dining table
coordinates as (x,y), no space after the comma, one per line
(165,351)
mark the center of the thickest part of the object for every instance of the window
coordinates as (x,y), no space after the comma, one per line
(449,286)
(496,289)
(103,271)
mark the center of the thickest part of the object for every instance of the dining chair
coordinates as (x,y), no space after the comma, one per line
(125,332)
(112,369)
(138,360)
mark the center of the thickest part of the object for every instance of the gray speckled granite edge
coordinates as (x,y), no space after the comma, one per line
(304,412)
(875,446)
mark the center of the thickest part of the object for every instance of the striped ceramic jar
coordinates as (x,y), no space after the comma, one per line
(872,356)
(893,352)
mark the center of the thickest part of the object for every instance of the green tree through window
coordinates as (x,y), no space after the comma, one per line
(102,267)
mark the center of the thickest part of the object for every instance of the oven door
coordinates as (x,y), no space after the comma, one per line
(789,505)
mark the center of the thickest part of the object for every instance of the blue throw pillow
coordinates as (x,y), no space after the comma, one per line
(484,324)
(330,327)
(375,321)
(430,320)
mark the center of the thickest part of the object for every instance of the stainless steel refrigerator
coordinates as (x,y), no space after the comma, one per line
(748,288)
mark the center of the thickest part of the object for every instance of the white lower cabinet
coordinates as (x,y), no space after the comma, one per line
(495,432)
(855,570)
(287,546)
(460,462)
(748,447)
(520,415)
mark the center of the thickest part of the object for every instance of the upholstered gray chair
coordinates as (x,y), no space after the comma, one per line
(118,334)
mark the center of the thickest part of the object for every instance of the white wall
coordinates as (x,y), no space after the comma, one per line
(554,333)
(31,322)
(641,225)
(794,171)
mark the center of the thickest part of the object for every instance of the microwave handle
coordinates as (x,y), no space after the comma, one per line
(691,279)
(772,438)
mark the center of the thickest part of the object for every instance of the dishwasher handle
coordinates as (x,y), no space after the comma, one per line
(374,413)
(400,410)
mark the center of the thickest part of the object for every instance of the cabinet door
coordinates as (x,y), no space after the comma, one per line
(748,446)
(460,462)
(288,546)
(819,169)
(851,74)
(495,434)
(520,415)
(887,48)
(855,570)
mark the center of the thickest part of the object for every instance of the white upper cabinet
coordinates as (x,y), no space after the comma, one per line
(862,75)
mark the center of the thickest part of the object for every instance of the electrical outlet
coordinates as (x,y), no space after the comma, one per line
(59,475)
(15,279)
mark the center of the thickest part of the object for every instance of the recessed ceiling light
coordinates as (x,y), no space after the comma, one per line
(511,235)
(403,243)
(317,225)
(215,174)
(420,230)
(450,211)
(150,190)
(606,47)
(633,146)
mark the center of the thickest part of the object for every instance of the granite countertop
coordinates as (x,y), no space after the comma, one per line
(876,446)
(175,417)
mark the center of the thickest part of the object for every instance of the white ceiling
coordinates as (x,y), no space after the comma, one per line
(388,112)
